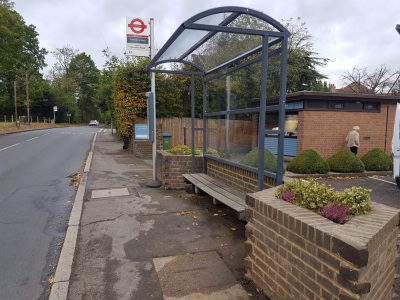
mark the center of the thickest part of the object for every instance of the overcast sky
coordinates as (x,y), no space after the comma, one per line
(352,33)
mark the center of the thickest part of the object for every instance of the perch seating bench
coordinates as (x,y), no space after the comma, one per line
(218,191)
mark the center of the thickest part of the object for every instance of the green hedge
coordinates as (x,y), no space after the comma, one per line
(377,160)
(308,162)
(270,161)
(345,161)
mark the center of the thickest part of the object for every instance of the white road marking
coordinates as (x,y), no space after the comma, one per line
(382,180)
(32,139)
(9,147)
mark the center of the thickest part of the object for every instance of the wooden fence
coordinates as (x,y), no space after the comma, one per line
(239,133)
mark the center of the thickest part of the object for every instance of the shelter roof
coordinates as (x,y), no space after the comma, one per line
(216,38)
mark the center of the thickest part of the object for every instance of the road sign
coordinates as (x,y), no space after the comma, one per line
(55,108)
(137,36)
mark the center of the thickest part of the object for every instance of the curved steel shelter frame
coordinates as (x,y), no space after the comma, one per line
(190,45)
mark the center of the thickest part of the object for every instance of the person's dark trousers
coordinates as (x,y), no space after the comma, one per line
(354,150)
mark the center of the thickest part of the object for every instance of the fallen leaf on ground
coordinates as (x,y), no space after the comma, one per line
(233,228)
(185,213)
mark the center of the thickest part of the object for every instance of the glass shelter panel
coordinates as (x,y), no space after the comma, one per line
(238,90)
(184,41)
(231,137)
(223,47)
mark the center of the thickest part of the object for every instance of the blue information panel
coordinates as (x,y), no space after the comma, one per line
(141,132)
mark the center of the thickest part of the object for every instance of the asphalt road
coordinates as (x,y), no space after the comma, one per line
(35,203)
(384,188)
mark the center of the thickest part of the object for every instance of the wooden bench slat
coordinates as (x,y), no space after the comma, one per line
(223,190)
(224,186)
(218,191)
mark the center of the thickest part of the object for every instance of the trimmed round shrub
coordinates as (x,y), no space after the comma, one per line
(345,161)
(377,160)
(251,159)
(308,162)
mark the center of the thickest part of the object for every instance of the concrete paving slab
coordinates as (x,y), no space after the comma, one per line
(120,236)
(201,274)
(110,193)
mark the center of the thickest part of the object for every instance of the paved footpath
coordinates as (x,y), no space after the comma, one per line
(135,242)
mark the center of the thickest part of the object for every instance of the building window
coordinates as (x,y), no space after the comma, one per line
(371,106)
(316,104)
(354,105)
(336,105)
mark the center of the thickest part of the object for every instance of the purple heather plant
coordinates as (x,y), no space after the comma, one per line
(287,195)
(335,212)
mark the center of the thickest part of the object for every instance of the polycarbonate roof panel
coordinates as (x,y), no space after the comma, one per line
(217,36)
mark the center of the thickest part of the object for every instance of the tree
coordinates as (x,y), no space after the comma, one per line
(85,76)
(19,53)
(302,73)
(379,81)
(105,89)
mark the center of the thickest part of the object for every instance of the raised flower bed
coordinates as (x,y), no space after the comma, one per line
(170,168)
(294,253)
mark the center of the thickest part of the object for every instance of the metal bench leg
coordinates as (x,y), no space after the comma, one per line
(216,202)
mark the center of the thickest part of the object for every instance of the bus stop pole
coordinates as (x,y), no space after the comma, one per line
(153,183)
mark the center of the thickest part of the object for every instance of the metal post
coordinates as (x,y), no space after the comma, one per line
(153,183)
(282,115)
(153,90)
(205,145)
(261,117)
(15,103)
(193,124)
(27,97)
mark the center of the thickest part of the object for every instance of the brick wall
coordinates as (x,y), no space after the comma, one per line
(296,254)
(170,167)
(238,178)
(326,131)
(143,149)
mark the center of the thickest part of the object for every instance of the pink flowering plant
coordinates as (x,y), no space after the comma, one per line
(324,200)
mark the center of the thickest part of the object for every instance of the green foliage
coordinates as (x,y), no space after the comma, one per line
(85,75)
(357,199)
(377,160)
(184,150)
(130,85)
(19,53)
(308,162)
(212,151)
(173,93)
(315,196)
(251,159)
(345,161)
(309,195)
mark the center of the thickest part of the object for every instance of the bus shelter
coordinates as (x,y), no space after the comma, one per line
(240,54)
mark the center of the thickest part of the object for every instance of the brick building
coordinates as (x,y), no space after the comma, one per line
(321,121)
